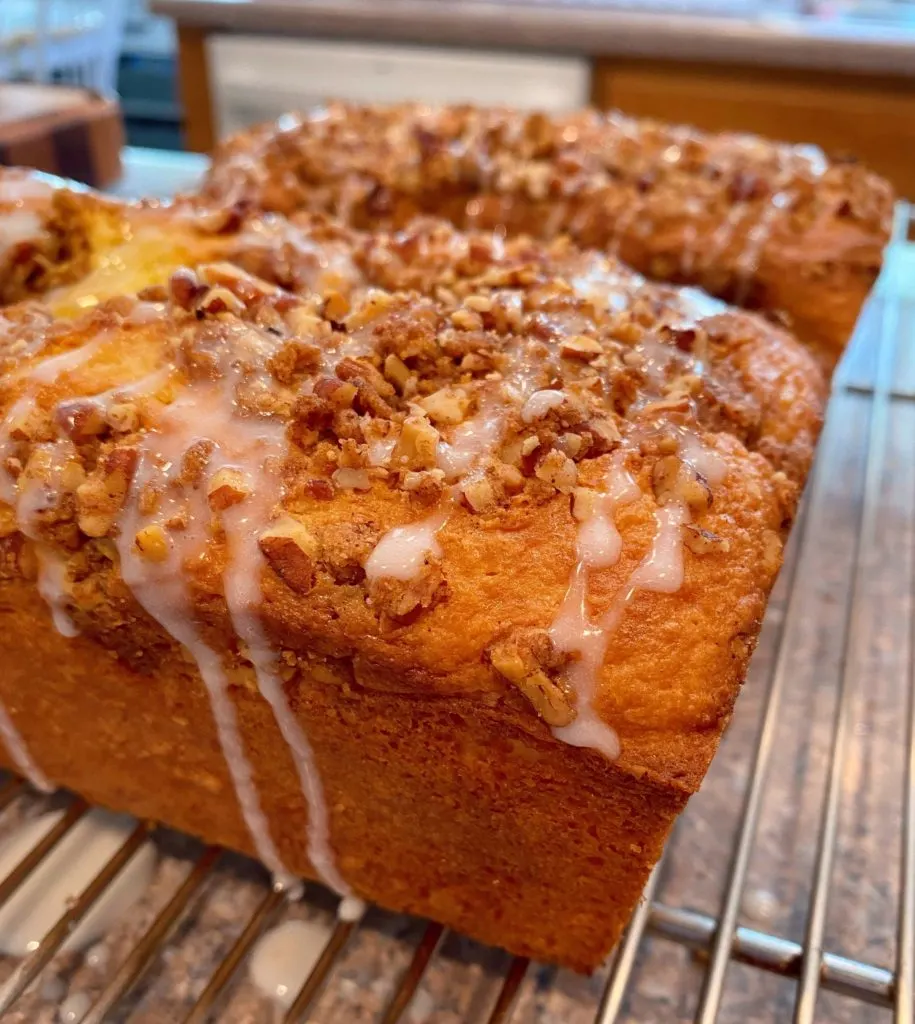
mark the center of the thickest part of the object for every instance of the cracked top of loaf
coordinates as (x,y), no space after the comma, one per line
(452,465)
(761,224)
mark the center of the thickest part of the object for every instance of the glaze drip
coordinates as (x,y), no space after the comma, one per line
(241,488)
(403,550)
(598,546)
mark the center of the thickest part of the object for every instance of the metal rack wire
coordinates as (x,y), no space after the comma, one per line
(877,381)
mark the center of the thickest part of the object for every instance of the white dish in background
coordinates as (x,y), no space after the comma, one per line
(258,78)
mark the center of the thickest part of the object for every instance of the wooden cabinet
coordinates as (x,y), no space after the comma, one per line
(869,116)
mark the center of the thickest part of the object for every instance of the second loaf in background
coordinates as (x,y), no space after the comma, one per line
(764,225)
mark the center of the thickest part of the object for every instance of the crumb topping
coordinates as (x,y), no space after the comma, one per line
(640,188)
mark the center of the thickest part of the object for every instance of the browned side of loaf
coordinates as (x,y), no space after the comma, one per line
(437,807)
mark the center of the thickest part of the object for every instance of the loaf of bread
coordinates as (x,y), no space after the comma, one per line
(772,227)
(426,564)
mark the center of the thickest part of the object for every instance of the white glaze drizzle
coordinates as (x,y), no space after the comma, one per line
(662,568)
(601,283)
(322,267)
(283,958)
(688,250)
(623,223)
(74,1008)
(44,373)
(241,577)
(28,501)
(17,226)
(161,589)
(778,203)
(33,498)
(21,755)
(27,200)
(256,447)
(598,546)
(701,458)
(748,261)
(351,908)
(380,450)
(470,440)
(723,235)
(401,552)
(52,579)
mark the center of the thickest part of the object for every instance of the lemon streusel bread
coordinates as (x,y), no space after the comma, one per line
(443,598)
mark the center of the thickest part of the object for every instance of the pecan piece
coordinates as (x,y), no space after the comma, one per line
(80,419)
(702,542)
(417,445)
(673,480)
(226,488)
(530,661)
(292,552)
(101,497)
(152,543)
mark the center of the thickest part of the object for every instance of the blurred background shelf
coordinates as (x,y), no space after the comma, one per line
(838,74)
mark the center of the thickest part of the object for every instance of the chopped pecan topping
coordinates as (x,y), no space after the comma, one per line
(227,487)
(340,394)
(446,406)
(123,417)
(580,346)
(403,600)
(100,499)
(373,391)
(195,461)
(426,486)
(220,300)
(417,445)
(397,371)
(152,543)
(352,479)
(292,552)
(80,419)
(674,480)
(294,360)
(185,289)
(702,542)
(530,661)
(559,470)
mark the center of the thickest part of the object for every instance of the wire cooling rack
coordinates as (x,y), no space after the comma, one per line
(787,892)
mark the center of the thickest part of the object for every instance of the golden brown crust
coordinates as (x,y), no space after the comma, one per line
(769,226)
